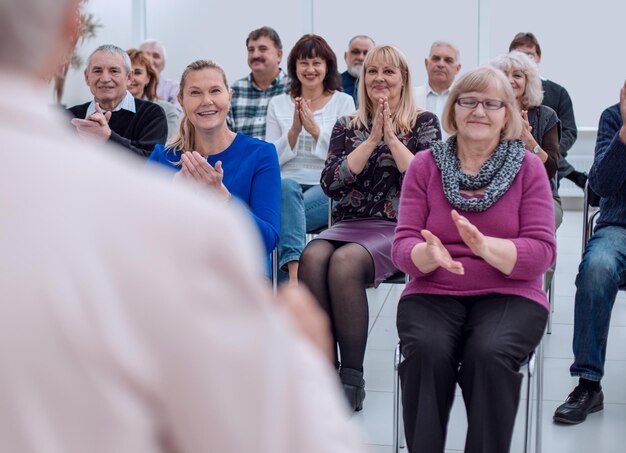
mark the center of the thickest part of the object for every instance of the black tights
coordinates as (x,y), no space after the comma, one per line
(337,273)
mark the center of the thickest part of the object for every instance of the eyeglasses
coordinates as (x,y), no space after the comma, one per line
(488,104)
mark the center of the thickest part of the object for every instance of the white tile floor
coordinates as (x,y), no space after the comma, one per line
(603,432)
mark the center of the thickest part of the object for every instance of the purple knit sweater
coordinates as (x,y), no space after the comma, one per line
(523,214)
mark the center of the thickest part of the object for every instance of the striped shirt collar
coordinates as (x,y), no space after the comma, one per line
(128,103)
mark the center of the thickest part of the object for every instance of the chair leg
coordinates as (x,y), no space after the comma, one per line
(534,396)
(274,262)
(398,426)
(550,292)
(539,385)
(530,375)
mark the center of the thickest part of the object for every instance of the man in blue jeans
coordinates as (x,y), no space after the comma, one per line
(602,270)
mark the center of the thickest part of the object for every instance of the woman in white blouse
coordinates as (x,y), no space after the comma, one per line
(299,123)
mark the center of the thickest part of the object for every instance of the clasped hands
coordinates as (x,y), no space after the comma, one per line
(303,118)
(95,126)
(382,126)
(196,167)
(438,255)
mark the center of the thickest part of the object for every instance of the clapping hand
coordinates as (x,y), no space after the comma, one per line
(307,119)
(472,237)
(437,253)
(296,124)
(94,126)
(527,136)
(311,322)
(378,123)
(388,129)
(197,168)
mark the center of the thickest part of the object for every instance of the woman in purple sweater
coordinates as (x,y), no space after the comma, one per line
(475,234)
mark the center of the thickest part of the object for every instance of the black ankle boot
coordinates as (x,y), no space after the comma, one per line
(353,386)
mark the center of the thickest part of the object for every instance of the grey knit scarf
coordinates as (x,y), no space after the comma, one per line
(496,175)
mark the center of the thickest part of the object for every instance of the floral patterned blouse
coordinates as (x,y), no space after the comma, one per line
(375,192)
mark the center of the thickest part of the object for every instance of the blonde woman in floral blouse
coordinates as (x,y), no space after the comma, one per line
(368,155)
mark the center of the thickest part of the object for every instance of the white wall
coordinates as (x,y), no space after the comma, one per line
(116,17)
(580,43)
(582,47)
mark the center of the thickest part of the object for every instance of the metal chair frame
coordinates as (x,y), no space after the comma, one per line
(534,385)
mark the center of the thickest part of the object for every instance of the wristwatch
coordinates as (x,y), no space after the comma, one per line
(536,149)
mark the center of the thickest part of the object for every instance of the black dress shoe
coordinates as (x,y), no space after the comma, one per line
(354,387)
(581,402)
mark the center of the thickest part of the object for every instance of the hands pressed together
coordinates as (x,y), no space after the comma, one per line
(94,126)
(303,118)
(382,126)
(196,167)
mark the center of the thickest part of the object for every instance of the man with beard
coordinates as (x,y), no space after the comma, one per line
(252,94)
(442,66)
(355,56)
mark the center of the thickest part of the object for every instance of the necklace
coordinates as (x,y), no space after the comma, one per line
(317,98)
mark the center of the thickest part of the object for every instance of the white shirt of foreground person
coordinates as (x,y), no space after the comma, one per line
(131,317)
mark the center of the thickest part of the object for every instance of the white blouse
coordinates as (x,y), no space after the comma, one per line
(305,162)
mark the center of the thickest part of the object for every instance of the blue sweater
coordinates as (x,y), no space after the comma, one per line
(607,176)
(251,173)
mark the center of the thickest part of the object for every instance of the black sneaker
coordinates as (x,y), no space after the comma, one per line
(581,402)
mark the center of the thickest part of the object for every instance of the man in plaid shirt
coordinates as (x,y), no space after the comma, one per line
(252,94)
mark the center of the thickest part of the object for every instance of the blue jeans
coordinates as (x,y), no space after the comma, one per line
(303,208)
(600,274)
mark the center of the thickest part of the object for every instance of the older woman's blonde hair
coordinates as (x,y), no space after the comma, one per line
(184,139)
(516,60)
(404,117)
(482,79)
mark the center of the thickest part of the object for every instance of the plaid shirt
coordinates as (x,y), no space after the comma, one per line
(249,104)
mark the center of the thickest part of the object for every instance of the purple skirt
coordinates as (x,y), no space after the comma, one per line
(375,235)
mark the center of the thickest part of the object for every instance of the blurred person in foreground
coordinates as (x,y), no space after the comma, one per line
(475,234)
(124,329)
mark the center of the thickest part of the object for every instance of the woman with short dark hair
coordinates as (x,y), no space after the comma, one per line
(299,124)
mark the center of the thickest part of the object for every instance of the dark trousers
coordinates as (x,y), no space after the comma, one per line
(477,341)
